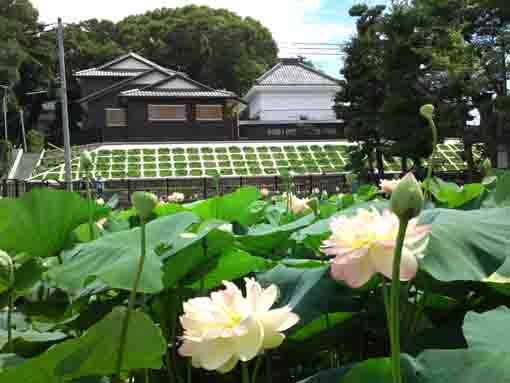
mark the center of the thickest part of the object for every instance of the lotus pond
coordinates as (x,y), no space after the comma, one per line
(70,267)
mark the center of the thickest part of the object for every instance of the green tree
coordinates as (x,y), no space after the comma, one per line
(361,98)
(214,46)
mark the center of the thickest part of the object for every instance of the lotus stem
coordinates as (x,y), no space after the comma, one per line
(245,372)
(91,219)
(10,348)
(256,369)
(394,328)
(433,127)
(132,298)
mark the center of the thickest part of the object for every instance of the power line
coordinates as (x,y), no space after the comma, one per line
(303,43)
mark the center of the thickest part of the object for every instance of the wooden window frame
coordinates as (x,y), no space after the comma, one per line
(116,125)
(149,106)
(198,106)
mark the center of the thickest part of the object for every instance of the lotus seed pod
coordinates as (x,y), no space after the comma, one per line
(144,203)
(6,271)
(86,160)
(427,111)
(407,199)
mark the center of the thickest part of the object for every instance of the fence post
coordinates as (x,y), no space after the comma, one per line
(16,188)
(204,187)
(275,184)
(167,188)
(240,182)
(129,190)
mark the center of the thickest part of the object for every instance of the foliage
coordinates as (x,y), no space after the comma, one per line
(35,141)
(69,292)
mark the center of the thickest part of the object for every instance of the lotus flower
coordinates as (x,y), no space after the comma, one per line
(297,205)
(388,186)
(176,197)
(264,192)
(227,327)
(364,245)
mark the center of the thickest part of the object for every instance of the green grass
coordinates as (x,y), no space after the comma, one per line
(195,165)
(251,157)
(211,172)
(237,157)
(248,149)
(180,165)
(226,172)
(208,157)
(275,149)
(149,159)
(220,150)
(192,150)
(196,173)
(150,173)
(149,166)
(165,173)
(206,150)
(164,158)
(209,165)
(194,158)
(241,171)
(223,157)
(265,156)
(262,149)
(234,149)
(179,158)
(181,173)
(178,151)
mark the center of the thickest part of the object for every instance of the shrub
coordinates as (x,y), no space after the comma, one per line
(35,141)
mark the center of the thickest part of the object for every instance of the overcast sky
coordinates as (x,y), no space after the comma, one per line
(290,21)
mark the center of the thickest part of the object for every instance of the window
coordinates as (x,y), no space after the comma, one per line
(116,117)
(167,112)
(209,112)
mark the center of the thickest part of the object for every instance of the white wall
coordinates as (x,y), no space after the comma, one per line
(291,104)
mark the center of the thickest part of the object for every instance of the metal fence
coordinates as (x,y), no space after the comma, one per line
(198,188)
(192,188)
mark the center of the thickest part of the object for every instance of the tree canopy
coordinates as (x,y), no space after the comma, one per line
(424,51)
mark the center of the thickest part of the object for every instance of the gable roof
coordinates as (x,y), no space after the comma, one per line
(294,72)
(185,87)
(113,69)
(117,85)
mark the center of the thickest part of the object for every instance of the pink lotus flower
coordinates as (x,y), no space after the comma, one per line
(227,327)
(264,192)
(176,197)
(388,186)
(296,204)
(364,245)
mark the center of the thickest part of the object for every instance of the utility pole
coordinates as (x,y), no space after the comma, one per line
(22,121)
(5,110)
(63,101)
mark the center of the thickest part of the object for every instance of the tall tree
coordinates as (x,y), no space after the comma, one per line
(361,98)
(214,46)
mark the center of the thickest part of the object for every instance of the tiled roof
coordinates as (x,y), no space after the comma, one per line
(295,73)
(105,70)
(94,72)
(177,93)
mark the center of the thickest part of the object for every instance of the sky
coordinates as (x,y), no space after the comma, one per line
(290,21)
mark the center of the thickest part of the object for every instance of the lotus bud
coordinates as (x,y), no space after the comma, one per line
(407,199)
(486,166)
(427,111)
(6,271)
(144,203)
(264,192)
(324,194)
(316,191)
(86,160)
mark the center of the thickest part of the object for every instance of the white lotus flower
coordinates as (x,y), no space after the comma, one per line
(225,328)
